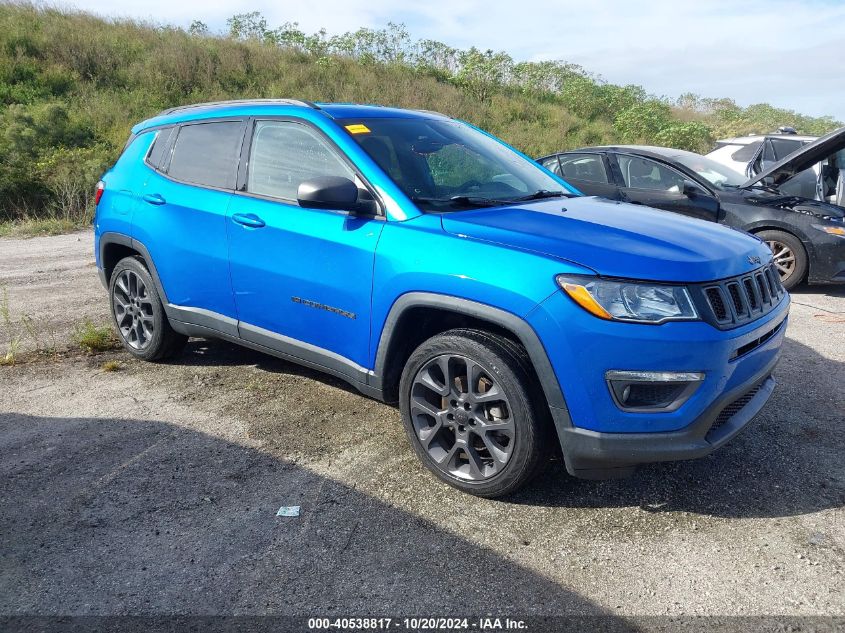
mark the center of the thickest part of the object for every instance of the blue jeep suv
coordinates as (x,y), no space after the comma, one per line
(427,263)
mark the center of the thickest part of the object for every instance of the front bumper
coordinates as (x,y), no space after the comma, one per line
(827,259)
(595,455)
(600,440)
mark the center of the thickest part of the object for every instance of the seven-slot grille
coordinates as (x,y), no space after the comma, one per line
(738,300)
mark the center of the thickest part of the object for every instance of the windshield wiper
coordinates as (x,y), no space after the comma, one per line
(543,193)
(477,201)
(763,187)
(466,201)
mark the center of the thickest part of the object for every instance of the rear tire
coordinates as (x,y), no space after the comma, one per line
(472,413)
(789,255)
(138,314)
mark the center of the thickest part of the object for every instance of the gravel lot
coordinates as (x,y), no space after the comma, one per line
(153,490)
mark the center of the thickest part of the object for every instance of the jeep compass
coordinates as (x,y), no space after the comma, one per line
(428,263)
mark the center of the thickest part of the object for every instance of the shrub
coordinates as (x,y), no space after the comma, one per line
(95,338)
(72,85)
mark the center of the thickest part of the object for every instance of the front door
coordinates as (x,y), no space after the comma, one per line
(302,277)
(654,184)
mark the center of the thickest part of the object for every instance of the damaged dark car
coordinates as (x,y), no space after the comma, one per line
(797,212)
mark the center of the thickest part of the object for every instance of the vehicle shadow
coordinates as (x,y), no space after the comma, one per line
(787,462)
(827,290)
(218,353)
(128,516)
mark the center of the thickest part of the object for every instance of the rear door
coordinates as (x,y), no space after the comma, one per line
(181,218)
(302,277)
(655,184)
(587,172)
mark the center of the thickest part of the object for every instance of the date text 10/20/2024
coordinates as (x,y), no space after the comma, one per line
(482,625)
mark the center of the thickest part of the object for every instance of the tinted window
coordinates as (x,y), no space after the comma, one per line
(207,154)
(587,167)
(642,173)
(552,165)
(284,154)
(746,152)
(784,147)
(160,145)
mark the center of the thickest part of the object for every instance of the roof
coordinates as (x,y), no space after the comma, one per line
(248,107)
(665,152)
(747,140)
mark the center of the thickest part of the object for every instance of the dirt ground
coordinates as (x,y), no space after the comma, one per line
(153,489)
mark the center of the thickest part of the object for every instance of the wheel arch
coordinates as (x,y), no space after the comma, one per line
(417,316)
(114,247)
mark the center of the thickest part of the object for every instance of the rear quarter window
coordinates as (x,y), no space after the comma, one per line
(746,152)
(207,154)
(157,154)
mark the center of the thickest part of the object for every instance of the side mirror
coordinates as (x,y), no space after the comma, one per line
(328,192)
(691,189)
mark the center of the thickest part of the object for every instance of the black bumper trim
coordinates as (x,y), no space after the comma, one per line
(595,455)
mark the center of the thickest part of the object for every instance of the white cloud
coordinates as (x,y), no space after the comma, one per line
(785,52)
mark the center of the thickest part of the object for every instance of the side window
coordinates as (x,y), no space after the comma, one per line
(642,173)
(156,157)
(587,167)
(207,154)
(746,152)
(552,165)
(284,154)
(784,147)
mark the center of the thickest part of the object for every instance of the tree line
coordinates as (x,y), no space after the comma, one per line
(72,85)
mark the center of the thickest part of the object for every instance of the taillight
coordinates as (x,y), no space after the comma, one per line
(101,187)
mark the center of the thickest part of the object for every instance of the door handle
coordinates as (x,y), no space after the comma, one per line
(155,198)
(248,219)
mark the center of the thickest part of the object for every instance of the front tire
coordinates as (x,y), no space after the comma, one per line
(138,313)
(789,256)
(472,413)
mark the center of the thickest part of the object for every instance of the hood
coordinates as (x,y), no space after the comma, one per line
(802,159)
(616,239)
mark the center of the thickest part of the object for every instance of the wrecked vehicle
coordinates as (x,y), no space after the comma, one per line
(802,224)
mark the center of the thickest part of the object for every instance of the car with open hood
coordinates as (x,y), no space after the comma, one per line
(805,234)
(751,154)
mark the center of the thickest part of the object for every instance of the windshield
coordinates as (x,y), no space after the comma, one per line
(714,173)
(445,165)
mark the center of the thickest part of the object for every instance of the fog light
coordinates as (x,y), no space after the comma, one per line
(652,391)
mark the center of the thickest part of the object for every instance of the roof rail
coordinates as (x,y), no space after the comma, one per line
(237,102)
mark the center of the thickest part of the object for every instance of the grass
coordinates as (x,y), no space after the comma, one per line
(94,338)
(111,366)
(88,336)
(37,227)
(72,85)
(10,356)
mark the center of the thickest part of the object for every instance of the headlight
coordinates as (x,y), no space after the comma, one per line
(629,300)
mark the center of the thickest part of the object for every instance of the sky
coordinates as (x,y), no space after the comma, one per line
(787,53)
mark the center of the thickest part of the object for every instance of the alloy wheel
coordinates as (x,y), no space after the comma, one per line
(133,310)
(783,257)
(462,418)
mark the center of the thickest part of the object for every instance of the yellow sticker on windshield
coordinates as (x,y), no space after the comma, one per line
(357,128)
